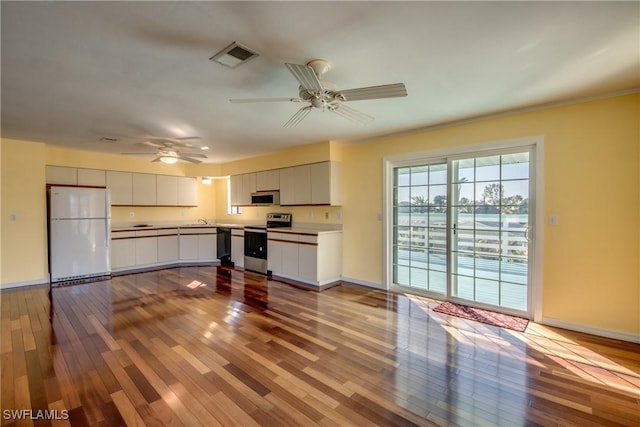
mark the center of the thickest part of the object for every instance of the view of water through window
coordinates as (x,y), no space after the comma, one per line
(486,222)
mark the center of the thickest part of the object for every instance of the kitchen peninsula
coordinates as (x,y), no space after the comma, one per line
(310,254)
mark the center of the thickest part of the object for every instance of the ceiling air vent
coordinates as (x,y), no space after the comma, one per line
(233,55)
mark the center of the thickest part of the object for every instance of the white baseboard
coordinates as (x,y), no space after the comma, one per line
(36,282)
(364,283)
(578,327)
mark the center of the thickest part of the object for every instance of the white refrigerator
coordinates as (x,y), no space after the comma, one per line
(79,233)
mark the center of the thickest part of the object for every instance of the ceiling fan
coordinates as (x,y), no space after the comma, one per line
(319,93)
(169,150)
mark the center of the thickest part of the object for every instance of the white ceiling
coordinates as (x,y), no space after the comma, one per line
(73,72)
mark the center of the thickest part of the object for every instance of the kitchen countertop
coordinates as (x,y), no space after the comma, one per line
(299,229)
(305,230)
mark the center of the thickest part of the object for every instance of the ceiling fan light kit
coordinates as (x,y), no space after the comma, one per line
(319,93)
(167,159)
(169,150)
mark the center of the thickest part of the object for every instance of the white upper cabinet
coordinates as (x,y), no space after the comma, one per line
(268,180)
(249,186)
(187,191)
(61,175)
(326,183)
(287,188)
(241,188)
(144,189)
(121,185)
(235,185)
(167,190)
(312,184)
(295,185)
(92,177)
(302,184)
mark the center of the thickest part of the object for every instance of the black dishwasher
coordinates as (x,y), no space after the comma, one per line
(224,246)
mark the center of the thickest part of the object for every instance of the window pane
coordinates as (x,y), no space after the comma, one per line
(488,291)
(466,194)
(437,281)
(402,196)
(419,278)
(515,192)
(438,195)
(466,170)
(420,197)
(403,177)
(438,174)
(488,168)
(515,166)
(489,193)
(420,175)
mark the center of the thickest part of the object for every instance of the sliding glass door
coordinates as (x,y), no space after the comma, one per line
(461,229)
(420,227)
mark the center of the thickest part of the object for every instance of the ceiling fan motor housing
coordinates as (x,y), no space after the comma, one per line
(318,98)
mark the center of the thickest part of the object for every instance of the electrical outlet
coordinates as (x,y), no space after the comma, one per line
(553,219)
(14,217)
(132,214)
(326,215)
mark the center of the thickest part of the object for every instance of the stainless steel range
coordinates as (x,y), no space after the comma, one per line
(255,241)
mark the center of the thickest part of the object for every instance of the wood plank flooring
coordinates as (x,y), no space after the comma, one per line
(209,346)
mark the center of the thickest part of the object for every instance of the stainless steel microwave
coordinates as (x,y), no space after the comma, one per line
(265,198)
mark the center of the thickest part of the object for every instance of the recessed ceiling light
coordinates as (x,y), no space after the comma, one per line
(204,148)
(233,55)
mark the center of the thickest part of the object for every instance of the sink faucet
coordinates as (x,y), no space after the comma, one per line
(203,221)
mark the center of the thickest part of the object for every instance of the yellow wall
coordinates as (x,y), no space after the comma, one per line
(23,241)
(591,161)
(591,271)
(310,153)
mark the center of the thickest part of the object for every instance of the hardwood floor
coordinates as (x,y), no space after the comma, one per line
(208,346)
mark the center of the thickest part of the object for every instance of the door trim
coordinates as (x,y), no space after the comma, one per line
(537,142)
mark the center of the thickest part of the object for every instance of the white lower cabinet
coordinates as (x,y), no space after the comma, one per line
(237,247)
(207,247)
(168,245)
(198,244)
(308,262)
(274,254)
(146,243)
(147,248)
(188,246)
(290,259)
(123,250)
(312,258)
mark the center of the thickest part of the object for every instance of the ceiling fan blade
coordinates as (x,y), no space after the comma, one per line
(138,154)
(306,76)
(298,116)
(251,100)
(169,143)
(350,113)
(373,92)
(188,159)
(184,138)
(198,155)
